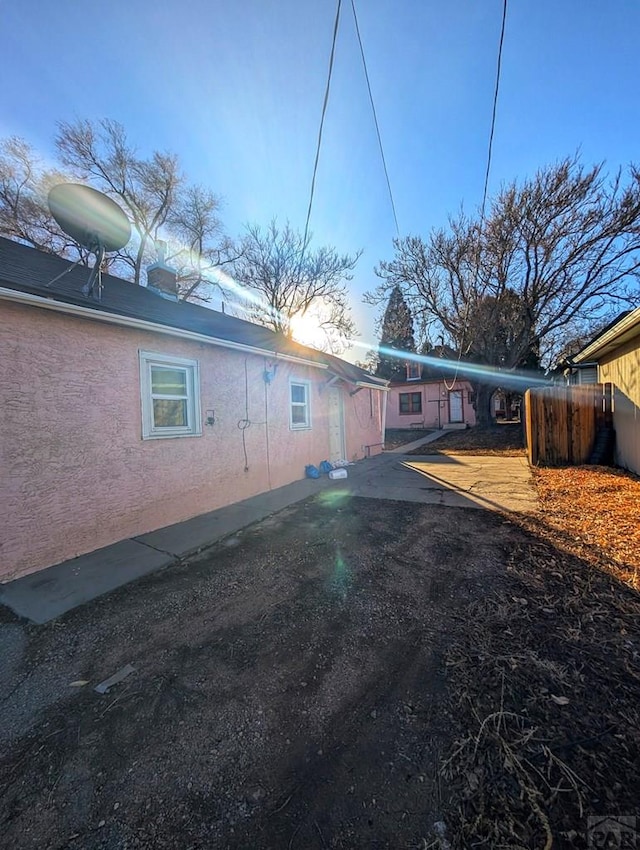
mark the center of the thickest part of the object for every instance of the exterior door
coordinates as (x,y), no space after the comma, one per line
(455,406)
(337,449)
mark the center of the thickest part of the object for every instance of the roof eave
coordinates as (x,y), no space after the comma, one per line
(371,386)
(20,297)
(623,331)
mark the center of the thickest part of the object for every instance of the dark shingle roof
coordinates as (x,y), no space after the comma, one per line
(432,371)
(26,269)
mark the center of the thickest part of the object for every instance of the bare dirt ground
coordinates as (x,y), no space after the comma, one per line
(349,673)
(396,437)
(506,439)
(290,690)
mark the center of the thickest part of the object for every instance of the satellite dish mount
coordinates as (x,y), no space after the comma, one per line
(95,278)
(92,220)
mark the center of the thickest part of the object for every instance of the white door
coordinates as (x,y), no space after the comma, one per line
(455,406)
(337,449)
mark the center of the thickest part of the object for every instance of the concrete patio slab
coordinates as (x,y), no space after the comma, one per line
(47,594)
(479,482)
(185,538)
(471,481)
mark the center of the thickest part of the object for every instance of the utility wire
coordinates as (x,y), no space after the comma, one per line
(375,117)
(486,185)
(245,423)
(493,115)
(324,110)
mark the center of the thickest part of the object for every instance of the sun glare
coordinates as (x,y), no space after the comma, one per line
(306,329)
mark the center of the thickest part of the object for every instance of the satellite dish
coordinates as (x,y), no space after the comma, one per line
(89,217)
(92,220)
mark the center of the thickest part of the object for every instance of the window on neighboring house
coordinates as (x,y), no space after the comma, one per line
(414,371)
(410,402)
(170,388)
(299,406)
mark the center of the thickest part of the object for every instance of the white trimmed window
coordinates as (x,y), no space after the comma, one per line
(170,388)
(414,370)
(299,405)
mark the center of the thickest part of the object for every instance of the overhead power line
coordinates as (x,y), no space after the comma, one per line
(493,114)
(375,117)
(324,110)
(494,111)
(377,125)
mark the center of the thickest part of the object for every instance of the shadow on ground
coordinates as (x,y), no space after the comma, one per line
(303,684)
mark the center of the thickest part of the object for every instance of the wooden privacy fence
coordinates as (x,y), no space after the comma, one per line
(561,422)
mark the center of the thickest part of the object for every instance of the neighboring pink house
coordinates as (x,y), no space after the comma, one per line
(124,415)
(426,400)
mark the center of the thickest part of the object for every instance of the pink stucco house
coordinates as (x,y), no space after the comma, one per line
(426,399)
(129,413)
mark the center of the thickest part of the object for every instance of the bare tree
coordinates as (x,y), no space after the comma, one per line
(287,278)
(555,252)
(152,191)
(145,189)
(199,249)
(24,186)
(370,362)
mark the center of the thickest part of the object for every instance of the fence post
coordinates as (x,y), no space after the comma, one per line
(531,437)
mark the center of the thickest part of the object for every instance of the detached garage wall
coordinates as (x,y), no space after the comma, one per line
(622,369)
(76,473)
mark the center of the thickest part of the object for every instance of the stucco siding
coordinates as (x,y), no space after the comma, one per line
(76,473)
(434,404)
(622,369)
(363,422)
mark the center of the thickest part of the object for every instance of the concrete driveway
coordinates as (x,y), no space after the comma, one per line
(461,481)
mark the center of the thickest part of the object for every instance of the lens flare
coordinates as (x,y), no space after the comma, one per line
(341,578)
(334,498)
(516,378)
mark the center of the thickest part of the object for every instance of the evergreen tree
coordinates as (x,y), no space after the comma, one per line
(397,333)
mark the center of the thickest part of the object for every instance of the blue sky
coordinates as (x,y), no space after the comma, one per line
(235,87)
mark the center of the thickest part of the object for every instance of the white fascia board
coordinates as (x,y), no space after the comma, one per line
(384,387)
(144,325)
(618,330)
(360,384)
